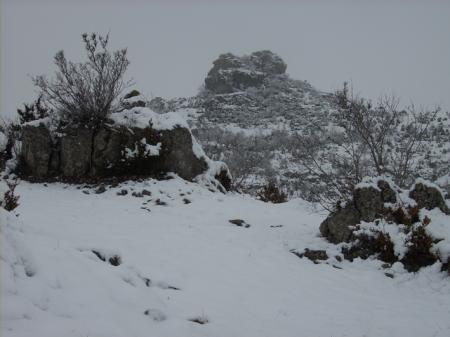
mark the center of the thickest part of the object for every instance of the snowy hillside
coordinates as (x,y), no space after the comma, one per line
(258,122)
(157,258)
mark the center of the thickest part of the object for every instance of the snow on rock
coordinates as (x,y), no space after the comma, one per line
(142,117)
(182,261)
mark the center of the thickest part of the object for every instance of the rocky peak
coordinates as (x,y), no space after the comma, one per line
(231,73)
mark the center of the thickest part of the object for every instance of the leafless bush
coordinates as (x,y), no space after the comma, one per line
(376,139)
(85,93)
(33,111)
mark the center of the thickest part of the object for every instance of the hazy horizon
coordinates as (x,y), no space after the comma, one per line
(380,47)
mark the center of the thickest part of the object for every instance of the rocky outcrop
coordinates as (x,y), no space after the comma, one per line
(232,73)
(367,205)
(382,222)
(113,150)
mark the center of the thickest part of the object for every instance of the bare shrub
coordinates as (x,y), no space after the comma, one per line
(271,193)
(9,200)
(86,93)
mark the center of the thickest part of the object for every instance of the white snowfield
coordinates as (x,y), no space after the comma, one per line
(182,261)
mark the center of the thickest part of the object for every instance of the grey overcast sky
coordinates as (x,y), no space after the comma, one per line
(382,47)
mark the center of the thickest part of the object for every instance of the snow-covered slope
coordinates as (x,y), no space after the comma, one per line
(173,257)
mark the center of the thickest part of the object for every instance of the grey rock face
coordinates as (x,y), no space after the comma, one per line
(428,197)
(336,227)
(367,205)
(36,150)
(75,152)
(177,154)
(110,151)
(231,73)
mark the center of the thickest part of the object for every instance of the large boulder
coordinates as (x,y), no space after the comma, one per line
(133,142)
(231,73)
(367,205)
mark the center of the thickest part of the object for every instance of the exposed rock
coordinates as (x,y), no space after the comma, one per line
(101,189)
(76,150)
(313,255)
(337,226)
(36,150)
(224,178)
(231,73)
(428,197)
(133,99)
(239,223)
(367,205)
(116,150)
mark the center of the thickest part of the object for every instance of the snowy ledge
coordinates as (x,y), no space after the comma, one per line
(142,117)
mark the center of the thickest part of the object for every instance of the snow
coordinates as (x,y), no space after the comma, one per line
(140,117)
(148,149)
(184,261)
(439,228)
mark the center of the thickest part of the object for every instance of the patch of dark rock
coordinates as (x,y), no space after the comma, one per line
(390,275)
(239,223)
(159,202)
(86,192)
(122,192)
(146,280)
(137,194)
(114,260)
(146,192)
(186,201)
(276,226)
(313,255)
(101,189)
(199,320)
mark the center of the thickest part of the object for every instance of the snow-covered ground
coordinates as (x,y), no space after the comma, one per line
(182,260)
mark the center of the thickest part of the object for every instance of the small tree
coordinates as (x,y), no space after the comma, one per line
(86,93)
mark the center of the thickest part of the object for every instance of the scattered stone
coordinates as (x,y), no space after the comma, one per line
(199,320)
(146,192)
(155,314)
(186,201)
(313,255)
(86,192)
(122,192)
(114,260)
(101,189)
(239,223)
(390,275)
(159,202)
(137,194)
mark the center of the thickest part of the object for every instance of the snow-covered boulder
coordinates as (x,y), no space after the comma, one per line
(133,142)
(369,198)
(393,225)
